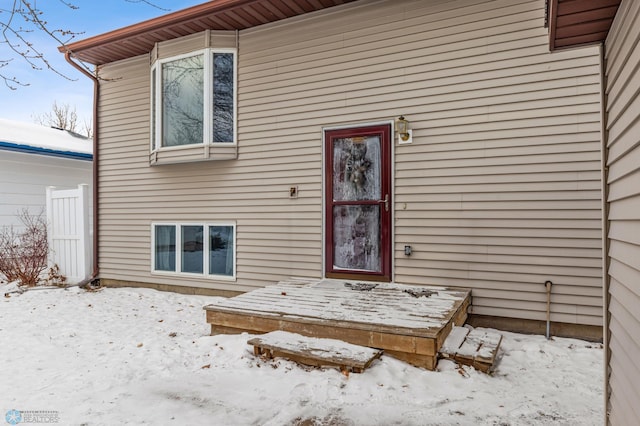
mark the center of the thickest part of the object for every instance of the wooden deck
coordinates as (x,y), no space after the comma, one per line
(477,348)
(407,322)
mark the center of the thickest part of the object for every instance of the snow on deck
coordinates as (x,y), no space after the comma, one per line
(477,347)
(380,304)
(320,348)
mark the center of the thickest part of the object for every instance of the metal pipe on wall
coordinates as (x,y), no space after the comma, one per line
(548,285)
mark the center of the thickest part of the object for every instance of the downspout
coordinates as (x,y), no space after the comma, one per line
(604,170)
(96,92)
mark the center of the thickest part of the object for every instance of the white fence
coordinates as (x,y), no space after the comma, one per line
(68,231)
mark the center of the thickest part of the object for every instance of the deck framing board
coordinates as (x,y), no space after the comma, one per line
(324,329)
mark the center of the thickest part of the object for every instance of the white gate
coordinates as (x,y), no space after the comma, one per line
(68,231)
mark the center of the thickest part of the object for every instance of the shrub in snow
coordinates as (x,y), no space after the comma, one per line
(55,276)
(23,252)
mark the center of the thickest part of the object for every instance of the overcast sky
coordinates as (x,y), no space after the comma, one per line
(91,18)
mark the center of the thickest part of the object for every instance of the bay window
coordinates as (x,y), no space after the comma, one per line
(193,100)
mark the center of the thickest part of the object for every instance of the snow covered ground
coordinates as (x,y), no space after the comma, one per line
(138,356)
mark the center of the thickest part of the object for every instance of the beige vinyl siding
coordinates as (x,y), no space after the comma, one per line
(133,195)
(499,191)
(623,126)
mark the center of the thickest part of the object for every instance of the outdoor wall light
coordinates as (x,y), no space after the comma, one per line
(404,133)
(407,250)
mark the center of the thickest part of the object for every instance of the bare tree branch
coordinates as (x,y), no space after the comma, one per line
(20,22)
(64,117)
(10,82)
(60,116)
(148,3)
(87,128)
(23,20)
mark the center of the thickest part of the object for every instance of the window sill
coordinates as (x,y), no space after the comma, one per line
(193,153)
(194,276)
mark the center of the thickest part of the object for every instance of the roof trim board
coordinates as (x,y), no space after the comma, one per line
(571,23)
(27,149)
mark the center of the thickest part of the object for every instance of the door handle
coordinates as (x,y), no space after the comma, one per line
(386,202)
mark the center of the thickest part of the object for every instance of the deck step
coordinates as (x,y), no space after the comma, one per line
(315,351)
(477,347)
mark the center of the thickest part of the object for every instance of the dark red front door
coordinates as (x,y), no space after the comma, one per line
(358,203)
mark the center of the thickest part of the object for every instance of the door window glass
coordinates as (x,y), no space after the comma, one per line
(356,168)
(356,237)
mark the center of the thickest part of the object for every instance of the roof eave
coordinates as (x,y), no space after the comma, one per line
(222,15)
(47,152)
(153,24)
(574,23)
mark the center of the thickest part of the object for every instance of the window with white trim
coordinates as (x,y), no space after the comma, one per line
(204,249)
(194,100)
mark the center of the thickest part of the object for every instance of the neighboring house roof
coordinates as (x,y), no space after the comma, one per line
(577,22)
(140,38)
(35,139)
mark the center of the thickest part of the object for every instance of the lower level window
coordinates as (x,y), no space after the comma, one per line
(200,249)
